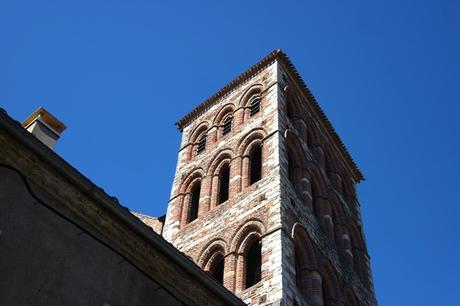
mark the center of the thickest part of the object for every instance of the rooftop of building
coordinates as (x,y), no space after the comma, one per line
(279,55)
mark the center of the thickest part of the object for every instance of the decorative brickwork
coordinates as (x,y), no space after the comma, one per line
(291,191)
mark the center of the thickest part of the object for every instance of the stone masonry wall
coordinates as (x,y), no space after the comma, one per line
(304,210)
(328,217)
(250,209)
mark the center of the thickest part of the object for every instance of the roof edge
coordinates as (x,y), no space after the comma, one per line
(181,123)
(277,54)
(290,66)
(86,186)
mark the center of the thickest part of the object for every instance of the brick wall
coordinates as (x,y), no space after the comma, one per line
(250,209)
(304,210)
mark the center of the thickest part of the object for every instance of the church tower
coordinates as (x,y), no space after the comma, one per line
(264,194)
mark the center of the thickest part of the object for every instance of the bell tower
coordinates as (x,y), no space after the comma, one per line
(264,194)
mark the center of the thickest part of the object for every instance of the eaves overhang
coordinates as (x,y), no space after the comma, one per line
(279,55)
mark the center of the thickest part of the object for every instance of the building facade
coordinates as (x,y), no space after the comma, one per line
(264,195)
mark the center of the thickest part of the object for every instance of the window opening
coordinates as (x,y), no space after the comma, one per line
(227,125)
(253,264)
(255,159)
(201,144)
(218,271)
(224,183)
(194,202)
(254,108)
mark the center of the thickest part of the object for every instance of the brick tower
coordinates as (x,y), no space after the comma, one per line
(264,194)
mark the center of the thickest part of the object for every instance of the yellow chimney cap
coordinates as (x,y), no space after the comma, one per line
(46,117)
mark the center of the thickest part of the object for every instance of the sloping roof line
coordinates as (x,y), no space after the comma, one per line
(277,54)
(109,203)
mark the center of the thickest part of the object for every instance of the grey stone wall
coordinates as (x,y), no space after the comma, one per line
(45,259)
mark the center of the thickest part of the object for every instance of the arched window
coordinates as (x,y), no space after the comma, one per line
(194,202)
(253,267)
(201,143)
(224,183)
(227,126)
(302,261)
(254,107)
(255,167)
(217,269)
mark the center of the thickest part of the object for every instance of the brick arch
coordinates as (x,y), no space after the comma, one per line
(339,219)
(200,128)
(348,186)
(296,158)
(336,182)
(190,177)
(216,162)
(249,228)
(226,109)
(338,214)
(222,158)
(214,248)
(293,107)
(312,134)
(307,277)
(299,234)
(255,89)
(331,165)
(319,156)
(246,142)
(246,235)
(330,285)
(194,176)
(358,251)
(320,204)
(317,180)
(293,144)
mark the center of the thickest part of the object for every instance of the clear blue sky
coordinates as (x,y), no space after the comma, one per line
(120,73)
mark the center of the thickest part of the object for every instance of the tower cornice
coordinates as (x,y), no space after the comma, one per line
(279,55)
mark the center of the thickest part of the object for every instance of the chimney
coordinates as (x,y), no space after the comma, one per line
(44,126)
